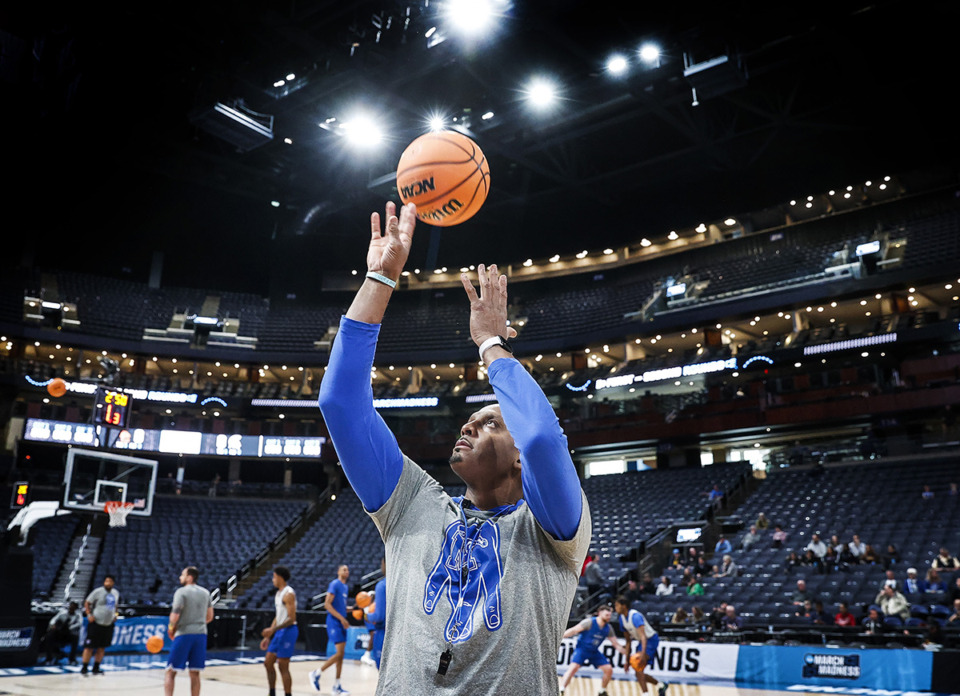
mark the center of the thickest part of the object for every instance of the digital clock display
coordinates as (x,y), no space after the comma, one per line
(112,408)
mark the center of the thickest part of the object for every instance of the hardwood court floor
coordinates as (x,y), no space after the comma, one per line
(250,680)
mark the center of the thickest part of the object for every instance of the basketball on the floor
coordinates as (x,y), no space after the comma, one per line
(154,644)
(446,175)
(636,660)
(57,387)
(363,599)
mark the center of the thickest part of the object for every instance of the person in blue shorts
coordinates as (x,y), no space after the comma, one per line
(280,637)
(465,570)
(635,626)
(592,633)
(337,624)
(376,618)
(192,610)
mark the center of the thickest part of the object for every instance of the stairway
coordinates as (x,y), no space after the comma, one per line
(76,574)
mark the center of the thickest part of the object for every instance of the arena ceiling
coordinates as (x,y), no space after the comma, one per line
(109,156)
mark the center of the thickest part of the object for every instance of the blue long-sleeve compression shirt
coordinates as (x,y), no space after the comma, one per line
(371,457)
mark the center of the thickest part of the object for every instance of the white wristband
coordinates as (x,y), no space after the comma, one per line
(373,275)
(492,341)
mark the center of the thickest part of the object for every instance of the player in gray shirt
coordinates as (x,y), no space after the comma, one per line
(100,606)
(192,610)
(485,581)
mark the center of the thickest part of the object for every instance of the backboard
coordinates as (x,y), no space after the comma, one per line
(92,478)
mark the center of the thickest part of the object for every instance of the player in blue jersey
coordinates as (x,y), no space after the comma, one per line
(592,633)
(635,626)
(467,569)
(377,616)
(335,604)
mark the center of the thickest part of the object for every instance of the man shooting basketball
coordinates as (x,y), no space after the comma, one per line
(468,569)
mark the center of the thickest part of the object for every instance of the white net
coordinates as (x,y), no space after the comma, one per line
(118,512)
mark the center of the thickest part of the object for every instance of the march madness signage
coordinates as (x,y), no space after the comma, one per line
(818,665)
(673,661)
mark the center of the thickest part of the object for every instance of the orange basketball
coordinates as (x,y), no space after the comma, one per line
(635,661)
(57,387)
(363,599)
(154,644)
(446,175)
(358,614)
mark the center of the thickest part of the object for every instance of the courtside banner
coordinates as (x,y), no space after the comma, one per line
(673,662)
(131,634)
(797,667)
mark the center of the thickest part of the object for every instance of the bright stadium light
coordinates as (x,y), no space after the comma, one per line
(541,93)
(650,54)
(471,17)
(617,64)
(362,131)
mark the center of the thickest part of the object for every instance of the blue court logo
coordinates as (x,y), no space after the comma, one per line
(472,554)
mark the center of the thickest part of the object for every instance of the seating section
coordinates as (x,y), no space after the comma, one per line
(216,535)
(51,539)
(881,502)
(343,534)
(631,507)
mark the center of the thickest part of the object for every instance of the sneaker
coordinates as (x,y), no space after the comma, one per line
(662,689)
(367,660)
(83,670)
(337,690)
(314,678)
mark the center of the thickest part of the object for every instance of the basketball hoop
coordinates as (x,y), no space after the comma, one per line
(118,512)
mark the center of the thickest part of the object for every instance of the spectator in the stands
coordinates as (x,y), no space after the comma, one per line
(927,493)
(632,592)
(676,560)
(844,617)
(892,556)
(665,587)
(857,547)
(800,595)
(779,536)
(593,574)
(793,561)
(944,561)
(702,567)
(732,622)
(680,616)
(893,603)
(933,636)
(811,560)
(831,562)
(817,546)
(723,546)
(714,493)
(872,623)
(646,584)
(762,522)
(728,569)
(695,587)
(912,585)
(717,615)
(835,544)
(954,619)
(870,556)
(819,616)
(890,581)
(845,556)
(805,610)
(934,584)
(751,538)
(697,617)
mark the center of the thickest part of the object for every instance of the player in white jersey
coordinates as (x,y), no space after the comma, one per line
(636,627)
(280,637)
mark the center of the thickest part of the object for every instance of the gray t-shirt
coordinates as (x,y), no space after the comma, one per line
(504,633)
(103,605)
(191,602)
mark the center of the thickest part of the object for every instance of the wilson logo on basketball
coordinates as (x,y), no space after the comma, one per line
(417,188)
(451,207)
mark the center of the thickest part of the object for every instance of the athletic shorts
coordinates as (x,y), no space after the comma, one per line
(652,644)
(189,649)
(584,655)
(376,649)
(336,633)
(98,636)
(283,641)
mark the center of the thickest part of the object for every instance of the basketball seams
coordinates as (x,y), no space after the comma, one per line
(457,185)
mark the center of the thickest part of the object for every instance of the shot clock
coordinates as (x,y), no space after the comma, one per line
(112,408)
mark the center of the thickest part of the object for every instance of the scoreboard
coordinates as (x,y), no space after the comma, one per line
(112,408)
